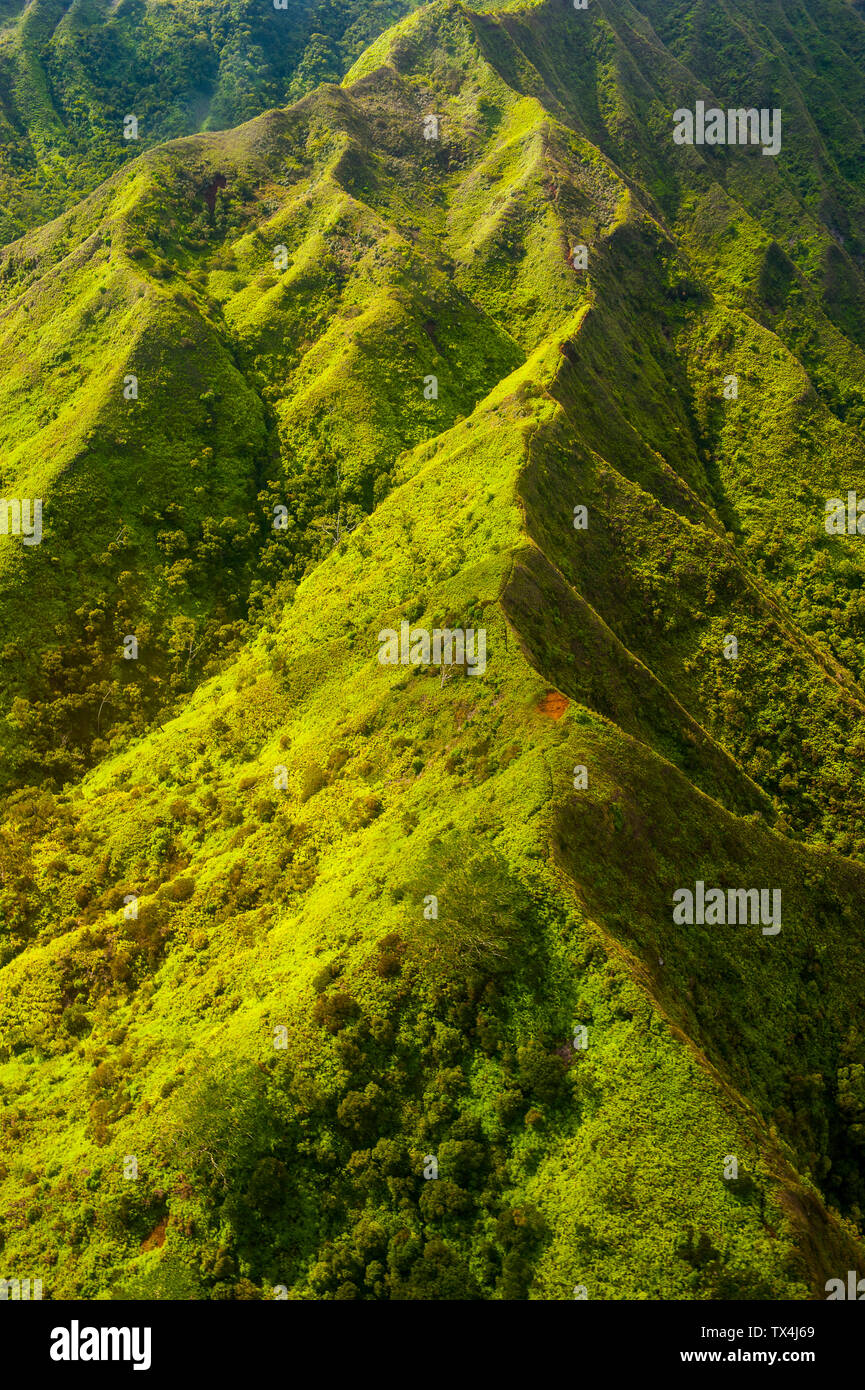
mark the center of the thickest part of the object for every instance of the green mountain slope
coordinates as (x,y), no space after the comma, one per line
(73,71)
(310,922)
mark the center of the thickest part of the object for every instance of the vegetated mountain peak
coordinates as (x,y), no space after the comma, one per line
(373,949)
(85,86)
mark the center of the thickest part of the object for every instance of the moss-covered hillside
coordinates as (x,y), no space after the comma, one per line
(329,978)
(72,73)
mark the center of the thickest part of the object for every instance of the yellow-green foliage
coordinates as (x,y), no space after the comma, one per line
(219,954)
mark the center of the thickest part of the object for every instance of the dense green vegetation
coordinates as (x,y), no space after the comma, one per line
(284,931)
(72,71)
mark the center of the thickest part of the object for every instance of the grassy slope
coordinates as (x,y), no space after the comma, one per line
(253,409)
(70,73)
(304,908)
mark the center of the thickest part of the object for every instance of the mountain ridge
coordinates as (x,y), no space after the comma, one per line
(281,1034)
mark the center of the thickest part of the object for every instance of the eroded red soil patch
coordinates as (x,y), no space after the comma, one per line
(156,1237)
(554,704)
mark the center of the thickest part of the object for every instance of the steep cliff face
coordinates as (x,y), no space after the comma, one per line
(336,957)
